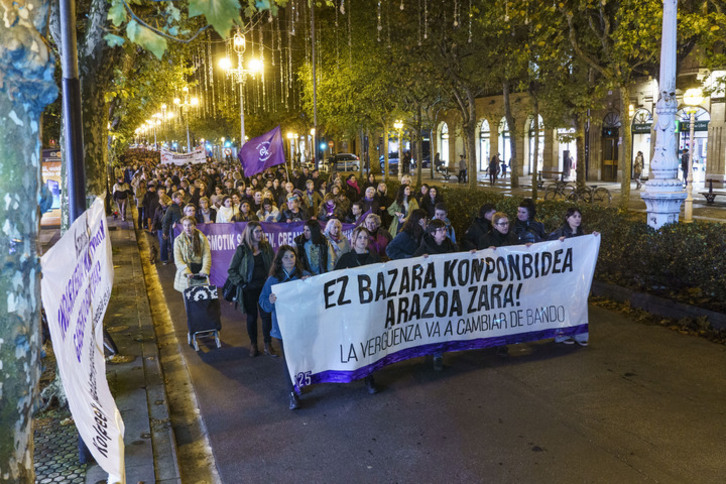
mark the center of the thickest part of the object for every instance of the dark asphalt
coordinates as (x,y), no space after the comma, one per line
(641,404)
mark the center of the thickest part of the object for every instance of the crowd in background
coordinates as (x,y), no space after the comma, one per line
(411,223)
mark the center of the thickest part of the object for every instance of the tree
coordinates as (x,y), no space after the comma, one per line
(26,87)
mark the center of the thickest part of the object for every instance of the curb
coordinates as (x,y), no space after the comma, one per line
(657,305)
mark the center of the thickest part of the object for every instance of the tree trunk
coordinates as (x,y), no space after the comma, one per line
(470,133)
(419,147)
(580,120)
(514,168)
(535,171)
(385,154)
(27,88)
(627,157)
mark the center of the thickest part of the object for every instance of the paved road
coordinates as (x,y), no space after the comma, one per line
(641,404)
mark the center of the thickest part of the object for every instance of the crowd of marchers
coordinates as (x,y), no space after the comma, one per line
(410,223)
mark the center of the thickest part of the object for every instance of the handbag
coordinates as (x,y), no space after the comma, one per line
(229,291)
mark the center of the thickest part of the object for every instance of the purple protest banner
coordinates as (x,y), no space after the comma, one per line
(224,239)
(259,154)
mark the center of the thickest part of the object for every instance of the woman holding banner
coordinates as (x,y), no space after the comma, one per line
(436,241)
(192,255)
(572,227)
(285,267)
(360,256)
(500,235)
(248,271)
(315,253)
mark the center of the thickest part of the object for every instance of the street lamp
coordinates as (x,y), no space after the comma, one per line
(692,98)
(239,74)
(398,125)
(292,137)
(193,102)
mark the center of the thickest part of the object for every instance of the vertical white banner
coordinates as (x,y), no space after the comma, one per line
(76,287)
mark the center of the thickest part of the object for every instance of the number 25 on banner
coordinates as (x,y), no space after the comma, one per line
(303,378)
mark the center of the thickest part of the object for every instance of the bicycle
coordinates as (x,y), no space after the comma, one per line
(558,190)
(594,194)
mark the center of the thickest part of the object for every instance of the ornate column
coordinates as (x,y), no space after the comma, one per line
(664,193)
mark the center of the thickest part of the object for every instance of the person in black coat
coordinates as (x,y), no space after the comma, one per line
(526,227)
(500,235)
(572,227)
(405,243)
(436,241)
(360,256)
(480,226)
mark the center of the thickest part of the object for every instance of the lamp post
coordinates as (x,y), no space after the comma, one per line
(239,74)
(193,102)
(398,125)
(664,193)
(692,98)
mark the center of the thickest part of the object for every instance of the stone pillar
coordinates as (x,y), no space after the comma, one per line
(716,162)
(550,154)
(664,193)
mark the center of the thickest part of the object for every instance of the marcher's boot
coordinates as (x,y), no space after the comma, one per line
(253,350)
(270,351)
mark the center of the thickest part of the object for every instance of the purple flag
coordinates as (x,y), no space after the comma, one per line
(258,154)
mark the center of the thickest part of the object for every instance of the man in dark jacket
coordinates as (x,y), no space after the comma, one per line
(150,202)
(479,227)
(172,216)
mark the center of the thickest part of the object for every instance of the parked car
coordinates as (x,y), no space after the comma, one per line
(426,163)
(392,163)
(344,162)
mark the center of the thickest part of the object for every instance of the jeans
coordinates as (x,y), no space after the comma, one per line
(250,298)
(163,246)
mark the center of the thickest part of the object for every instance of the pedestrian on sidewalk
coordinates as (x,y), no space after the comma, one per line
(462,169)
(121,191)
(248,271)
(493,169)
(638,169)
(285,267)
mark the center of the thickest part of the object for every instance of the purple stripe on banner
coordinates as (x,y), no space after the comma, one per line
(224,239)
(337,376)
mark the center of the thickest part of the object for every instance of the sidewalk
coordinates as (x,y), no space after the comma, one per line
(135,379)
(715,212)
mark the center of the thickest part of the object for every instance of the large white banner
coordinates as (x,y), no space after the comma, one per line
(343,325)
(76,287)
(197,155)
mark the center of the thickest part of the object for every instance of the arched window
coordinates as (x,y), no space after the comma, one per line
(567,152)
(700,139)
(641,138)
(505,149)
(533,131)
(484,144)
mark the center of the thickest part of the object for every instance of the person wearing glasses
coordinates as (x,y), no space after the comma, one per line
(436,241)
(248,270)
(500,235)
